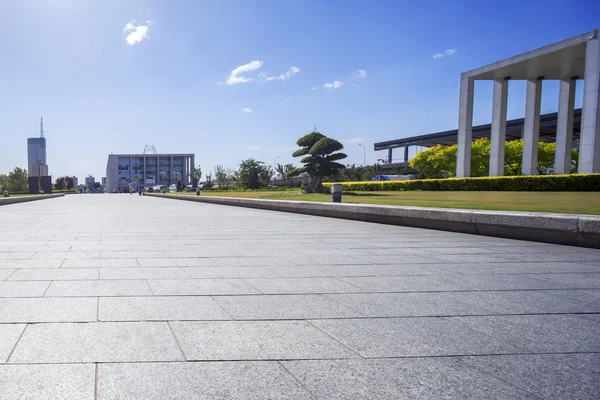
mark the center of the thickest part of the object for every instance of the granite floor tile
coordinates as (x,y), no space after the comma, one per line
(541,333)
(202,381)
(97,342)
(160,308)
(255,340)
(23,288)
(417,378)
(408,304)
(413,337)
(229,272)
(176,262)
(101,263)
(54,274)
(200,287)
(17,264)
(98,288)
(267,307)
(302,285)
(142,273)
(36,310)
(549,376)
(47,381)
(9,335)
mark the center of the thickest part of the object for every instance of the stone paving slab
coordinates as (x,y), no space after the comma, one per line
(256,340)
(425,378)
(202,381)
(245,303)
(38,310)
(47,381)
(96,342)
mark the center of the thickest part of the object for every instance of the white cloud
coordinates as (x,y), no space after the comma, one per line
(136,33)
(288,98)
(253,148)
(333,85)
(247,110)
(447,52)
(283,77)
(360,73)
(355,140)
(236,77)
(313,88)
(282,149)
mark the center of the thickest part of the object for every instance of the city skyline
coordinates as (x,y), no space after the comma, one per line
(234,80)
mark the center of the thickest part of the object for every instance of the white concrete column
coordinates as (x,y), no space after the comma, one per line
(531,128)
(465,128)
(589,143)
(498,136)
(564,126)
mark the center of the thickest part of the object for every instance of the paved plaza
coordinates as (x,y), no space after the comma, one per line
(129,297)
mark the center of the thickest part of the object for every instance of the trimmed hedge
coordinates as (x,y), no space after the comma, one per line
(537,183)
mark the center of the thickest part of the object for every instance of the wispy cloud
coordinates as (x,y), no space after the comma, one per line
(313,88)
(360,73)
(283,149)
(447,52)
(355,140)
(236,75)
(136,33)
(247,110)
(333,85)
(283,77)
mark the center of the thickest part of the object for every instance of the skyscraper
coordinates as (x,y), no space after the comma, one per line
(36,155)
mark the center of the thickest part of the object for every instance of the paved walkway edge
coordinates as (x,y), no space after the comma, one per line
(4,201)
(570,229)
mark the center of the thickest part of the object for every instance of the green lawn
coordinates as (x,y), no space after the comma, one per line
(560,202)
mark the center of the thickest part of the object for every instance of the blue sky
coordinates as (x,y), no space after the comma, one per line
(71,62)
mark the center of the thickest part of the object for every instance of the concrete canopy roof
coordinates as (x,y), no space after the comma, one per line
(561,60)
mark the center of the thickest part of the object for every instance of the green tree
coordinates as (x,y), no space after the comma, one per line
(513,157)
(196,175)
(438,161)
(320,159)
(283,171)
(480,157)
(60,183)
(254,174)
(16,180)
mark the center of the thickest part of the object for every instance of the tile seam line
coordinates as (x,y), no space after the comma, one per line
(280,363)
(177,341)
(351,350)
(464,363)
(16,344)
(270,360)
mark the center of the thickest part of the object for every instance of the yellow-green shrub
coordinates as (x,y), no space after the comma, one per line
(537,183)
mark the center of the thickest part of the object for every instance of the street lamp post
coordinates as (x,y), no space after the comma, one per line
(364,154)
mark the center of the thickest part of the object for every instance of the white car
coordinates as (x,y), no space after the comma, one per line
(173,188)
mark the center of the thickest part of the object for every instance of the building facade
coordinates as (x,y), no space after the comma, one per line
(147,170)
(89,181)
(36,157)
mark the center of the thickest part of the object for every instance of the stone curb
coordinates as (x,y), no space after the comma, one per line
(4,201)
(568,229)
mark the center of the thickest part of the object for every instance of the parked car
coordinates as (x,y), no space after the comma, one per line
(173,188)
(149,189)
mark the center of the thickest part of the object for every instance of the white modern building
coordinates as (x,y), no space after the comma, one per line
(566,61)
(146,170)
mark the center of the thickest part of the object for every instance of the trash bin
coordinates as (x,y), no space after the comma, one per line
(336,192)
